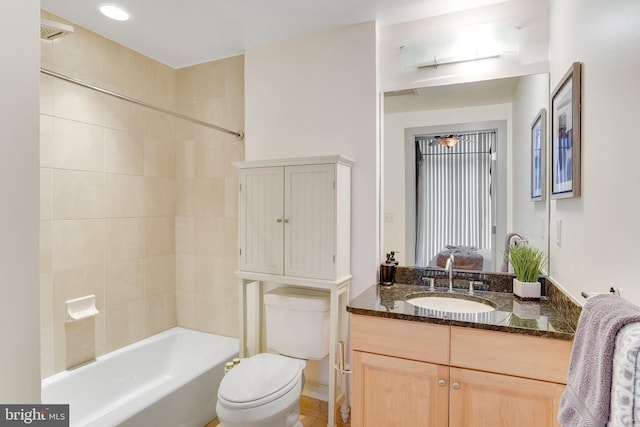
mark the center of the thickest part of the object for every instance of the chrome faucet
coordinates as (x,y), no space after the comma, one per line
(449,267)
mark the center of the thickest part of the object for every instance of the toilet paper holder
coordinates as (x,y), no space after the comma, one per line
(80,308)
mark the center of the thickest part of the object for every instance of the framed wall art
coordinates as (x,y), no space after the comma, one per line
(538,158)
(565,135)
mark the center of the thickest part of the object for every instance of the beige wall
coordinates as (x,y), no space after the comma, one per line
(116,179)
(207,196)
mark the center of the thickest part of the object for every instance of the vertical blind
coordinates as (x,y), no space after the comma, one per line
(453,194)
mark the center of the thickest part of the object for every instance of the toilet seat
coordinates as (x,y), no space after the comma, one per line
(258,380)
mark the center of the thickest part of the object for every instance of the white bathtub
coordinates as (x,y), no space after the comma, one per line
(170,379)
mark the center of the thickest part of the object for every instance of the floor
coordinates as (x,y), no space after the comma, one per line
(313,413)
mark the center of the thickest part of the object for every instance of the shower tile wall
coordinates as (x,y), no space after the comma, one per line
(119,184)
(207,196)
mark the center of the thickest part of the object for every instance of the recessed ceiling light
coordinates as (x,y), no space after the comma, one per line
(114,12)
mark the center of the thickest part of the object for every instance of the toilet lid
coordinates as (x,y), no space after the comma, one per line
(259,379)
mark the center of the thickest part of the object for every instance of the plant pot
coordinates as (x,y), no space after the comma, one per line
(526,290)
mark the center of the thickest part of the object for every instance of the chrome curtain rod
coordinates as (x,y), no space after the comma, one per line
(239,135)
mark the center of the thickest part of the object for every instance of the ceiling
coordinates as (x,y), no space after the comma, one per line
(180,33)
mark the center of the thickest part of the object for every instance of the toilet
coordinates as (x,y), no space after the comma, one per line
(264,390)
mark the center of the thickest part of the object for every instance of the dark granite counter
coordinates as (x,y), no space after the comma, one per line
(537,318)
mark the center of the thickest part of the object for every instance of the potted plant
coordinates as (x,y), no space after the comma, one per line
(527,262)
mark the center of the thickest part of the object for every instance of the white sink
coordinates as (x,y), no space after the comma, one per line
(451,305)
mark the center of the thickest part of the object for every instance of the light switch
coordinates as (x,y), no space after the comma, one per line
(558,232)
(388,217)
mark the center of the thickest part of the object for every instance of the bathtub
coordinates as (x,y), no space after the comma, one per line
(170,379)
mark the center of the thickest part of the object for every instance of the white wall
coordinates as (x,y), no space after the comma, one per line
(19,201)
(394,161)
(317,95)
(529,218)
(600,229)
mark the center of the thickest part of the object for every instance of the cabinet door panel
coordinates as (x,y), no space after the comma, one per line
(309,233)
(389,391)
(261,220)
(492,400)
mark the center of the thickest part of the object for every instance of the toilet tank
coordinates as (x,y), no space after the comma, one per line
(297,322)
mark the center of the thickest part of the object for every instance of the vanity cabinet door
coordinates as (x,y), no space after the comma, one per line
(389,391)
(485,399)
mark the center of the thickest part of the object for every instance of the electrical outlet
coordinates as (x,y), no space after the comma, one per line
(388,217)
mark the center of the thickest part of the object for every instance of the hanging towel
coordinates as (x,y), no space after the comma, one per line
(587,398)
(625,378)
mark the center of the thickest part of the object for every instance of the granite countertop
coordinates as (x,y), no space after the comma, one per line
(537,318)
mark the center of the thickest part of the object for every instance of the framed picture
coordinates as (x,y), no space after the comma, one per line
(565,135)
(538,144)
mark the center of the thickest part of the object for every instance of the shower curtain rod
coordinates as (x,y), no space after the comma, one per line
(239,135)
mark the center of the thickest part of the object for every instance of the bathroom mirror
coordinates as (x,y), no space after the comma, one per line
(415,124)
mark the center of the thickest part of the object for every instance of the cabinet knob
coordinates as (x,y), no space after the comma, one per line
(455,386)
(279,220)
(285,220)
(442,383)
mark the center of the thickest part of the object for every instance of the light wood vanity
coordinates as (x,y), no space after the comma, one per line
(408,373)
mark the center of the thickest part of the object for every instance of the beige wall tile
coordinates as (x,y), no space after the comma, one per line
(211,159)
(160,236)
(46,194)
(46,93)
(234,76)
(78,146)
(185,272)
(230,243)
(46,141)
(73,102)
(160,84)
(77,243)
(159,275)
(124,196)
(124,68)
(159,157)
(83,53)
(209,236)
(160,196)
(124,282)
(80,342)
(124,239)
(161,312)
(185,234)
(157,123)
(45,247)
(186,308)
(210,197)
(185,197)
(231,191)
(123,115)
(185,159)
(77,194)
(210,274)
(123,152)
(126,324)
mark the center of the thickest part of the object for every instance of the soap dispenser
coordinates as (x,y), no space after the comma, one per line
(388,269)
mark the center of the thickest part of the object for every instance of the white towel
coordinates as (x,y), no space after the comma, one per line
(625,378)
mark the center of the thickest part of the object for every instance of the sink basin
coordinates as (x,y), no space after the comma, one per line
(452,304)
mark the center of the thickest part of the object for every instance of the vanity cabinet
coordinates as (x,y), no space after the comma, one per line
(453,376)
(294,217)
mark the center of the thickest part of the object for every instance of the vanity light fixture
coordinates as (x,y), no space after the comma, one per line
(461,44)
(114,12)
